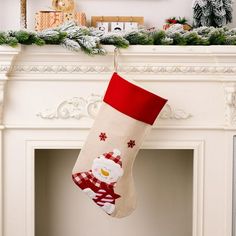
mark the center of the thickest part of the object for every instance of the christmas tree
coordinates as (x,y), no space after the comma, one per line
(215,13)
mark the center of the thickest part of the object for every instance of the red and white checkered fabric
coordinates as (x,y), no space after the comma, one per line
(104,192)
(80,178)
(115,158)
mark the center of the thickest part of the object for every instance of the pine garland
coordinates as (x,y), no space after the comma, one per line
(114,39)
(215,13)
(90,40)
(140,37)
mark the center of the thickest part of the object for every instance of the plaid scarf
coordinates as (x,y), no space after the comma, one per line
(79,178)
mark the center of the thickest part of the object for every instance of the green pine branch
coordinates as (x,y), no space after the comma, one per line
(91,40)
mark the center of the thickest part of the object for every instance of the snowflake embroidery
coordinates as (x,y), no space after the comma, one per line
(103,136)
(131,143)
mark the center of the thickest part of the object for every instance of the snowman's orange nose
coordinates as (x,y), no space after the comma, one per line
(104,172)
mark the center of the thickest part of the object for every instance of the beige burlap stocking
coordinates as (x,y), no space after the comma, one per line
(103,169)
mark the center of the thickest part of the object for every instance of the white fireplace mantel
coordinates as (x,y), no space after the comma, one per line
(52,95)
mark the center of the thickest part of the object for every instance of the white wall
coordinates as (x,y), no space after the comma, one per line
(163,180)
(154,11)
(9,14)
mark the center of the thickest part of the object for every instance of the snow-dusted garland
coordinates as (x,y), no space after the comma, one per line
(90,40)
(212,12)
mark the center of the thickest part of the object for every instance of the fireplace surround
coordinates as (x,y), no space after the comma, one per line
(50,96)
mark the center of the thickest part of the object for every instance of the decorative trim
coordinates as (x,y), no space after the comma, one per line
(170,113)
(75,69)
(230,102)
(76,107)
(178,69)
(36,69)
(7,56)
(4,68)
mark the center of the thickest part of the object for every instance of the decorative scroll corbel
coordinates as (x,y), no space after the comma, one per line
(76,107)
(230,102)
(170,113)
(79,107)
(6,58)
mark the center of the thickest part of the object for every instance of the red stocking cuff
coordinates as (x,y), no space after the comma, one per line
(132,100)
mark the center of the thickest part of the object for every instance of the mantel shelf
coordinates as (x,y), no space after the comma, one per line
(133,49)
(167,62)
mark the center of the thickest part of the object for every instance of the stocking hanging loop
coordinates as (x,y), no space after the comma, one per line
(116,52)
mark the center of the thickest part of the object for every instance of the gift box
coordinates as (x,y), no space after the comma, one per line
(51,19)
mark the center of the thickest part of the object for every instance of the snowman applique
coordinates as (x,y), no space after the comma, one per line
(99,182)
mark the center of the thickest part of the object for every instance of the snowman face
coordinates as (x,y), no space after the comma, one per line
(106,170)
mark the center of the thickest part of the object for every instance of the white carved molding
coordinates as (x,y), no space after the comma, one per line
(193,60)
(59,69)
(4,68)
(96,68)
(230,102)
(76,107)
(170,113)
(79,107)
(178,69)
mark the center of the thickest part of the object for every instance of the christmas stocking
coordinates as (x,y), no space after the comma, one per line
(103,170)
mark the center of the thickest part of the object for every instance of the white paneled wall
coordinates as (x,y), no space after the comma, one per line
(154,11)
(164,186)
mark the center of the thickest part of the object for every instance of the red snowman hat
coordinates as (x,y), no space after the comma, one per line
(114,156)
